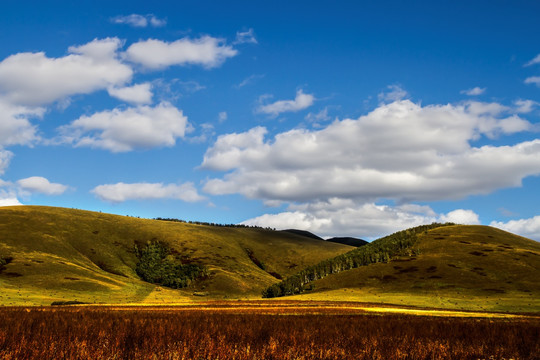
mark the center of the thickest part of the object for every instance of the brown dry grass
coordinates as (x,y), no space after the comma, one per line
(257,331)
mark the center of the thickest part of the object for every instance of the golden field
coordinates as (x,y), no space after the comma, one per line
(260,330)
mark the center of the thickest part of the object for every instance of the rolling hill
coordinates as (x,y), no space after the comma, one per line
(52,254)
(348,241)
(57,254)
(303,233)
(454,267)
(351,241)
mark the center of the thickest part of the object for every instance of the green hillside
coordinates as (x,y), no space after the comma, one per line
(54,254)
(453,267)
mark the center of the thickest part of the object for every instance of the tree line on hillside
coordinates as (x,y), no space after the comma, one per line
(381,250)
(214,224)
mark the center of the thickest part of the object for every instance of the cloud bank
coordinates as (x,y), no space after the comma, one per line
(332,178)
(400,151)
(345,217)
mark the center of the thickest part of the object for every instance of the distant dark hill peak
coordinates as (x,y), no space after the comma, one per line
(303,233)
(349,241)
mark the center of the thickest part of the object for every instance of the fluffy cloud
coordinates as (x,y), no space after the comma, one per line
(474,91)
(399,151)
(136,94)
(137,20)
(8,198)
(344,217)
(15,126)
(144,191)
(206,51)
(38,184)
(460,216)
(300,102)
(121,130)
(33,79)
(5,158)
(525,227)
(230,150)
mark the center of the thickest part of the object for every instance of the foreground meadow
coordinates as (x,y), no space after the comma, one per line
(257,330)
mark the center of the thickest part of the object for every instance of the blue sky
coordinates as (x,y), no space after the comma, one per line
(342,118)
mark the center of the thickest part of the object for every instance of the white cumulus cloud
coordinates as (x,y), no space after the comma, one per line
(33,79)
(400,151)
(206,51)
(136,94)
(121,192)
(8,198)
(5,158)
(15,125)
(300,102)
(525,227)
(460,216)
(39,184)
(121,130)
(344,217)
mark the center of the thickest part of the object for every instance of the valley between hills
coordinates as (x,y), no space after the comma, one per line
(57,255)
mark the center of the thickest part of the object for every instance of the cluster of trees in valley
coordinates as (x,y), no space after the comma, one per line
(158,265)
(380,250)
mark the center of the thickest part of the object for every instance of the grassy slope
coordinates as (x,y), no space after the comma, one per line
(66,254)
(459,267)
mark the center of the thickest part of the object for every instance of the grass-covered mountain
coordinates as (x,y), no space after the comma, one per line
(457,267)
(379,251)
(52,254)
